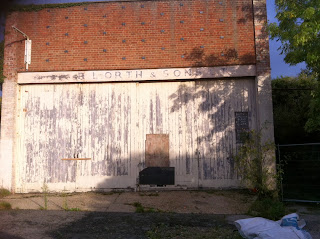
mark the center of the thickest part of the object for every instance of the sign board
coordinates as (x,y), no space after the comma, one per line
(242,126)
(136,75)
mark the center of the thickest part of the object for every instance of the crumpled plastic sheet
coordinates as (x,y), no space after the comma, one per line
(289,227)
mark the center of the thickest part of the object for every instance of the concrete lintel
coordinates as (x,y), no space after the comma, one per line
(136,75)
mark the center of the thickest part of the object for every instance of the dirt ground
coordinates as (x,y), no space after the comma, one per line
(185,214)
(210,202)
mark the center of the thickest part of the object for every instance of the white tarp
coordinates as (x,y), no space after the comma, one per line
(289,227)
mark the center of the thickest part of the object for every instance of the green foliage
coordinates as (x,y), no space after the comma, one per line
(163,230)
(45,196)
(313,122)
(250,160)
(299,31)
(65,202)
(5,206)
(142,209)
(4,192)
(295,107)
(73,209)
(268,208)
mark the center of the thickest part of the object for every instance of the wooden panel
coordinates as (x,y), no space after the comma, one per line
(77,159)
(109,124)
(48,129)
(157,150)
(216,124)
(107,119)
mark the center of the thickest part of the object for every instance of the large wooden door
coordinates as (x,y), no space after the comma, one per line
(90,136)
(216,103)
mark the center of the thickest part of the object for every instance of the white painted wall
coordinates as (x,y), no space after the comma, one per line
(6,164)
(108,123)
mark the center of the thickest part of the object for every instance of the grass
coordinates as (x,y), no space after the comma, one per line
(142,209)
(74,209)
(4,192)
(65,202)
(5,206)
(187,232)
(45,190)
(268,208)
(149,194)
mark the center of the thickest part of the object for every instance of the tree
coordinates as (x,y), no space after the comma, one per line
(294,109)
(299,32)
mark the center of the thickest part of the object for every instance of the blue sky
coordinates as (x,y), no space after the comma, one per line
(278,66)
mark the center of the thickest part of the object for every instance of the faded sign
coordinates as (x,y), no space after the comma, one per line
(137,75)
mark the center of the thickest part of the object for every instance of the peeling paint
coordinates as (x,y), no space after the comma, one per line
(109,123)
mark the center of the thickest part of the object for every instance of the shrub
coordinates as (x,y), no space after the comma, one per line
(5,206)
(269,208)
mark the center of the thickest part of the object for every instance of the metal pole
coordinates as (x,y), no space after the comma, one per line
(280,165)
(297,200)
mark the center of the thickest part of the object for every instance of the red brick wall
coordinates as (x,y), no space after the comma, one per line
(157,34)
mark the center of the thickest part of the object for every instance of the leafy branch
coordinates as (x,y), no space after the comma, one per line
(251,160)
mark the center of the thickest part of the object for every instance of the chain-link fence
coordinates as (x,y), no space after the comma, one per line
(301,171)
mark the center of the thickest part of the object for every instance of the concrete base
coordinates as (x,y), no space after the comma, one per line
(6,164)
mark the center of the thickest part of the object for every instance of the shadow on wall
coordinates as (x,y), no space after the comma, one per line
(228,56)
(215,103)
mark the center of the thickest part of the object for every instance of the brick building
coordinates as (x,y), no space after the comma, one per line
(115,88)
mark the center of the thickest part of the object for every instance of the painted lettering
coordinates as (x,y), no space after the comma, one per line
(177,73)
(198,72)
(138,74)
(108,75)
(79,76)
(117,74)
(165,73)
(129,74)
(187,72)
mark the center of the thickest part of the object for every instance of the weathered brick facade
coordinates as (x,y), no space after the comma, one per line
(130,35)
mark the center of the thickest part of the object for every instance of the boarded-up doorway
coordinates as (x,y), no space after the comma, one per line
(157,150)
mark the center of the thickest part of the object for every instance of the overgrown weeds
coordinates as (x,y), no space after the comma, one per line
(5,206)
(142,209)
(45,190)
(65,202)
(268,208)
(254,161)
(73,209)
(251,163)
(4,192)
(180,231)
